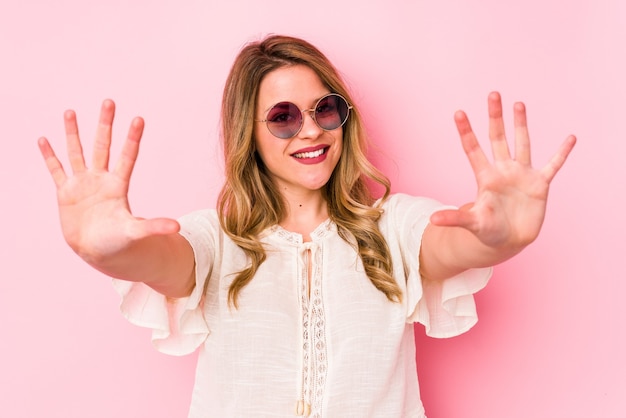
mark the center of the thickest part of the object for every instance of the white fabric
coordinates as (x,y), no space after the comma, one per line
(345,349)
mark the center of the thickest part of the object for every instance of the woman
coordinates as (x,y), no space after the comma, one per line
(301,288)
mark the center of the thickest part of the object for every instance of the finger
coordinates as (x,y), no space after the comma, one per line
(130,150)
(74,147)
(522,139)
(477,158)
(102,144)
(557,161)
(453,217)
(52,162)
(499,146)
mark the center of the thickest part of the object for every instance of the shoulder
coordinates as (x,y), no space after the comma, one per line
(401,204)
(200,216)
(403,222)
(204,222)
(403,212)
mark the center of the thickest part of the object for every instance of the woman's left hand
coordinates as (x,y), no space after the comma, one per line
(511,202)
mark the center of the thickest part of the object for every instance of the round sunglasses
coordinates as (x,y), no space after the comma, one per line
(284,120)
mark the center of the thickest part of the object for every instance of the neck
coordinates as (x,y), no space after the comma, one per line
(305,212)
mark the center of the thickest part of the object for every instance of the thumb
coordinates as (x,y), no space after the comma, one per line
(453,217)
(156,226)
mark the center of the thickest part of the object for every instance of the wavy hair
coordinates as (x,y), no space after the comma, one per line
(249,201)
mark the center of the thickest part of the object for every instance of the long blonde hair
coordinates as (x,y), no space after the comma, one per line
(249,201)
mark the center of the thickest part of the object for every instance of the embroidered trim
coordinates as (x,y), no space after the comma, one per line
(294,238)
(314,353)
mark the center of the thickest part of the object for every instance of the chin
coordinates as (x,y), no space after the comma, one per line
(317,185)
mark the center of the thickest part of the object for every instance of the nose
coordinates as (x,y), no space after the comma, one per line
(310,129)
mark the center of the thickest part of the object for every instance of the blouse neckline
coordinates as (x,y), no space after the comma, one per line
(295,238)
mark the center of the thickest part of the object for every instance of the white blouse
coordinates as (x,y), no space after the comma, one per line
(331,345)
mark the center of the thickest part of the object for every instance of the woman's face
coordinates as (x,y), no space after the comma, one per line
(305,162)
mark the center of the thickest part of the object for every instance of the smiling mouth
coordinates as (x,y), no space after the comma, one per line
(310,154)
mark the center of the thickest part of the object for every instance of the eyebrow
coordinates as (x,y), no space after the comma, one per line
(287,101)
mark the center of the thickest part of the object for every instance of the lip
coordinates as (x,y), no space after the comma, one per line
(310,149)
(315,160)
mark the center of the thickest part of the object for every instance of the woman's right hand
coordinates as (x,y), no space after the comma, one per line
(95,215)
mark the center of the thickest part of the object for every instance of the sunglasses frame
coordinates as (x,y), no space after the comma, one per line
(311,112)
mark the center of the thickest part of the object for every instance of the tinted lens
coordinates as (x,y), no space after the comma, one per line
(331,112)
(284,120)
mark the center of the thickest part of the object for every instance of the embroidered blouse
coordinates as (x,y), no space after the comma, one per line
(329,345)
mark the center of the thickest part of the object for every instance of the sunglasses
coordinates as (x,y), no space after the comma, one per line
(284,120)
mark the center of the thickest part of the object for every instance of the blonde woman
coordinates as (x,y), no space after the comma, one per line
(302,288)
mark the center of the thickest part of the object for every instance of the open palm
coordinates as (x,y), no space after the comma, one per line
(93,202)
(512,195)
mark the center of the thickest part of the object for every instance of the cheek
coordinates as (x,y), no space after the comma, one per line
(268,148)
(260,143)
(340,143)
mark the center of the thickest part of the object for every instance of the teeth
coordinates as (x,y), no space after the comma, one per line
(312,154)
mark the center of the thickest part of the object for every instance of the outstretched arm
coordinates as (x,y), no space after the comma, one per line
(95,214)
(510,203)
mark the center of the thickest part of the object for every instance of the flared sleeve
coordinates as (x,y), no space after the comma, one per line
(446,308)
(178,325)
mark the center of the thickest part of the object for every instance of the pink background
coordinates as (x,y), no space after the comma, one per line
(550,340)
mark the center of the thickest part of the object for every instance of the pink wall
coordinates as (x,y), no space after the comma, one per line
(550,339)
